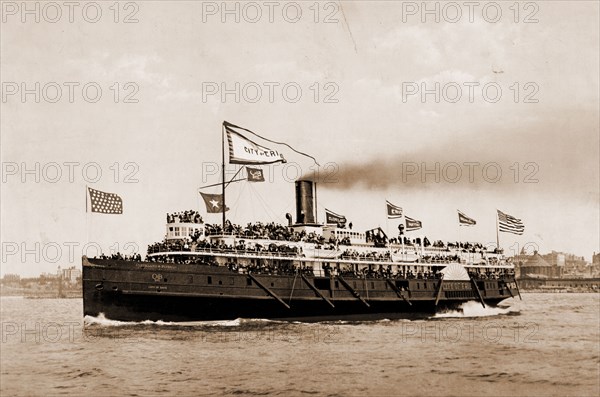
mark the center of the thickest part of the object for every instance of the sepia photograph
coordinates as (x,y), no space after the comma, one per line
(297,198)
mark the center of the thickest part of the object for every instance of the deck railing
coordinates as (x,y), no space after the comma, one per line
(296,255)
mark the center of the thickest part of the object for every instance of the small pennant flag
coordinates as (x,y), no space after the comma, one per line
(509,224)
(333,218)
(214,203)
(105,203)
(412,224)
(464,220)
(255,175)
(393,211)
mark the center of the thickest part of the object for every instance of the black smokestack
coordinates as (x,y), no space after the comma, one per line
(305,212)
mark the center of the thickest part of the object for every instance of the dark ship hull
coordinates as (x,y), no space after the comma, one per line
(138,291)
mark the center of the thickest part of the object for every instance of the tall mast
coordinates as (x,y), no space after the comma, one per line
(316,208)
(223,172)
(497,232)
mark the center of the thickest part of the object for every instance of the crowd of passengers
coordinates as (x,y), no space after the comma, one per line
(282,249)
(439,258)
(289,269)
(277,232)
(464,247)
(259,230)
(264,268)
(387,272)
(274,231)
(190,216)
(381,272)
(369,256)
(329,271)
(375,256)
(206,245)
(120,257)
(179,259)
(492,275)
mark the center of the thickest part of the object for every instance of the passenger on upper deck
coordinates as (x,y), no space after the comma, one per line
(119,256)
(278,232)
(259,230)
(190,216)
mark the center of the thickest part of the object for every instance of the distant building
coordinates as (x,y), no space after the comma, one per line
(595,266)
(576,264)
(554,265)
(519,261)
(555,258)
(558,261)
(561,284)
(11,278)
(537,266)
(70,274)
(571,265)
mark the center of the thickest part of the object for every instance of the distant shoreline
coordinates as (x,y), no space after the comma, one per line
(36,294)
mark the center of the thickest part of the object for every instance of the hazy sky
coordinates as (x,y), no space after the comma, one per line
(358,113)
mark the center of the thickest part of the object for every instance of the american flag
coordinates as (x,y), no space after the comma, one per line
(510,224)
(105,203)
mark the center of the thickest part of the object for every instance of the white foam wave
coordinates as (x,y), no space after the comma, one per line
(475,309)
(101,320)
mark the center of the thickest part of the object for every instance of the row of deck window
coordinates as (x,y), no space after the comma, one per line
(183,231)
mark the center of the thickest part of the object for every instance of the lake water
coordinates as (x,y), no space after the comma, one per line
(545,345)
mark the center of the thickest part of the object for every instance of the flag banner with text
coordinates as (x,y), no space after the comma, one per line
(464,220)
(255,174)
(333,218)
(412,224)
(510,224)
(105,203)
(393,211)
(214,203)
(243,151)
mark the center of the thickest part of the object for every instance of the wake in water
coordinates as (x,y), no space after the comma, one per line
(474,309)
(102,321)
(465,310)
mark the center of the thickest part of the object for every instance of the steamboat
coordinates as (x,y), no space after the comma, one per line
(304,270)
